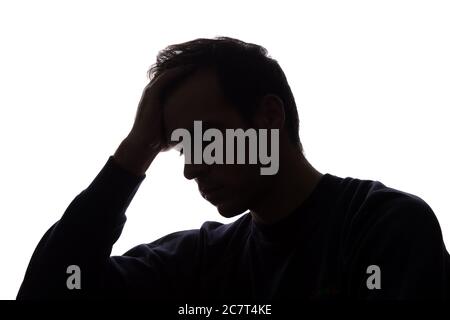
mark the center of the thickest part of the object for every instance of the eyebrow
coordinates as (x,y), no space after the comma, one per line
(212,125)
(208,124)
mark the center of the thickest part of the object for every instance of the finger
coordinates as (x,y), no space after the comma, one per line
(168,76)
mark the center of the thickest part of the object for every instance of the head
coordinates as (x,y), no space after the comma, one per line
(232,85)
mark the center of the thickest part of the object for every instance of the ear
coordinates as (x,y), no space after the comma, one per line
(270,113)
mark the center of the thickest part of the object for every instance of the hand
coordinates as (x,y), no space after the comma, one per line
(147,130)
(146,139)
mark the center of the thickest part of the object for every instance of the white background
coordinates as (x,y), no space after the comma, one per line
(371,80)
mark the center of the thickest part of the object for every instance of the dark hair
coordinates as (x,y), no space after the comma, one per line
(245,71)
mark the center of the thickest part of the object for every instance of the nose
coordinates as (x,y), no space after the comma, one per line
(193,171)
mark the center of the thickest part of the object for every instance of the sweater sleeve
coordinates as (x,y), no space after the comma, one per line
(83,237)
(399,254)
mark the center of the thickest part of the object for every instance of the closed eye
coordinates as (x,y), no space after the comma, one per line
(179,148)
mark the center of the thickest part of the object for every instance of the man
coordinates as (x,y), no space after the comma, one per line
(307,235)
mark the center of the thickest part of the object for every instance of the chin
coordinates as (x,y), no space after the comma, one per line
(229,211)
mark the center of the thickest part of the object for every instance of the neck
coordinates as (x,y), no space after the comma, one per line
(294,182)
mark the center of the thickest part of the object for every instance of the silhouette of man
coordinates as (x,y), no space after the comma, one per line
(306,235)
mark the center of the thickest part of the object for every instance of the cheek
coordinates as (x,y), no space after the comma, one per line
(243,182)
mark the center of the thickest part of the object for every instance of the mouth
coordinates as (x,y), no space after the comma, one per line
(211,194)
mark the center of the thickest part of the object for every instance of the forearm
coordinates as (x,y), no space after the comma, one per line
(84,236)
(133,157)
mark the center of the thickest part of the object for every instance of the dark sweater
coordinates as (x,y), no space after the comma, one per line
(320,251)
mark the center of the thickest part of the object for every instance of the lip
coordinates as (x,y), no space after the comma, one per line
(209,193)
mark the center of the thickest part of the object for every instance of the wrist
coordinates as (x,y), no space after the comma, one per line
(134,158)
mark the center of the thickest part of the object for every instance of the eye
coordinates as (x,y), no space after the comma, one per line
(179,148)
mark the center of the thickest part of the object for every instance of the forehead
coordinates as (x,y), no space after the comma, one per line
(199,97)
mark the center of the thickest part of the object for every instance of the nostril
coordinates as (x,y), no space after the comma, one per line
(189,172)
(192,171)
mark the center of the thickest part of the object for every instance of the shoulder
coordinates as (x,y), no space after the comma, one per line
(383,207)
(363,203)
(211,233)
(218,234)
(373,213)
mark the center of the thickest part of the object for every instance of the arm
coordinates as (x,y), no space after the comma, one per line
(84,236)
(406,243)
(92,223)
